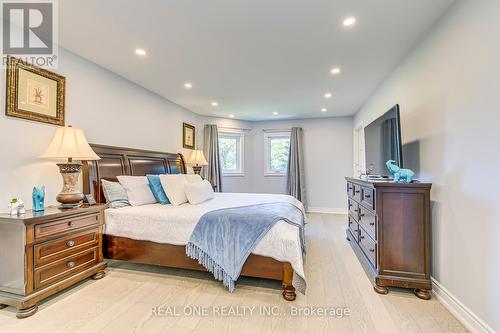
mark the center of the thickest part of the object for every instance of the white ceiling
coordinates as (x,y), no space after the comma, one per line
(254,57)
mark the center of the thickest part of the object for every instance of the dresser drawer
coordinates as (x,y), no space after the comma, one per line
(59,227)
(368,246)
(63,268)
(368,221)
(368,197)
(353,208)
(356,192)
(353,227)
(56,249)
(350,190)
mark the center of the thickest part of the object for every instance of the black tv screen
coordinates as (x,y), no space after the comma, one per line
(383,142)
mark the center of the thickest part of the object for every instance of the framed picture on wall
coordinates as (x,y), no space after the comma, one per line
(188,136)
(34,93)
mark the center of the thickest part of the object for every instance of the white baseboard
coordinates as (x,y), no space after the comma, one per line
(464,315)
(327,210)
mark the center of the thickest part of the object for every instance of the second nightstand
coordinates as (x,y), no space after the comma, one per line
(42,253)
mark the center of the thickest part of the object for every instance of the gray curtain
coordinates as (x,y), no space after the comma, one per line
(295,182)
(212,171)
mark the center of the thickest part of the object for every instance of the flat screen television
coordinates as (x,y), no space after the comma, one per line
(383,143)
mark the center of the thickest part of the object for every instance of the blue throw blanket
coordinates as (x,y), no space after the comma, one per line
(223,239)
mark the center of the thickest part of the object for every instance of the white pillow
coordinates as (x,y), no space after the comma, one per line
(199,192)
(173,185)
(138,190)
(194,178)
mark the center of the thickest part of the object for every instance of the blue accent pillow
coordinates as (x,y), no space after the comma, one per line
(157,189)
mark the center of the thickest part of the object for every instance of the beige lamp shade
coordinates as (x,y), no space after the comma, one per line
(70,142)
(197,158)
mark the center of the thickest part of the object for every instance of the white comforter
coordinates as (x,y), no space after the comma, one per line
(170,224)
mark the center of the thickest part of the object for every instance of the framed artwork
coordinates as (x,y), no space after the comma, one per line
(188,136)
(34,93)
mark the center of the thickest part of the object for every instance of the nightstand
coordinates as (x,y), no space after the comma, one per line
(42,253)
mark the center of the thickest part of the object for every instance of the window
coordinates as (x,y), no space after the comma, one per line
(231,153)
(276,147)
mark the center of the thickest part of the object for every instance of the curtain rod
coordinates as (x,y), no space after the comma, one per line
(270,130)
(235,128)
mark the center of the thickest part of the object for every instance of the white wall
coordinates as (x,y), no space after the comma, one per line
(327,154)
(110,109)
(449,91)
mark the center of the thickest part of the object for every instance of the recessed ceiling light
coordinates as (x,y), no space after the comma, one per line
(349,21)
(214,104)
(335,71)
(188,85)
(323,110)
(231,116)
(140,52)
(328,95)
(275,113)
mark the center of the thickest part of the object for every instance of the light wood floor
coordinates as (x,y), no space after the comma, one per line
(122,301)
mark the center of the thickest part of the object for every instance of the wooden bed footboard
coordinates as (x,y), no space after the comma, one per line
(174,256)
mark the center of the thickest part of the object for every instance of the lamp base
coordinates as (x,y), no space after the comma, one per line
(70,195)
(197,169)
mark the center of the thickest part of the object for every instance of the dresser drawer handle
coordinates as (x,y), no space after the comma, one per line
(70,243)
(372,223)
(372,250)
(70,264)
(362,237)
(70,223)
(367,196)
(361,214)
(357,191)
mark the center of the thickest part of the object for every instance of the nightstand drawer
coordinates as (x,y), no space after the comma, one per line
(45,230)
(56,249)
(63,268)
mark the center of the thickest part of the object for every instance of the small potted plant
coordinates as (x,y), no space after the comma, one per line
(16,207)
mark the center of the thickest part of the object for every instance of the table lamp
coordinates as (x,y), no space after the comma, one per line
(198,160)
(70,143)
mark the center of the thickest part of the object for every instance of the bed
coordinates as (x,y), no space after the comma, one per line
(156,234)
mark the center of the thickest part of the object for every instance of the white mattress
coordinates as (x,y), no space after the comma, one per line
(168,224)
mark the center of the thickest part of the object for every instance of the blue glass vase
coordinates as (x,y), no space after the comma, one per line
(38,199)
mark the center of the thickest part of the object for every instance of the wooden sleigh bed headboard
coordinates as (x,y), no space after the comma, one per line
(116,161)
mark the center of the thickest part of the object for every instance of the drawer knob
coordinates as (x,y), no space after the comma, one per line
(357,191)
(70,223)
(362,237)
(367,196)
(372,250)
(70,243)
(361,214)
(372,223)
(70,264)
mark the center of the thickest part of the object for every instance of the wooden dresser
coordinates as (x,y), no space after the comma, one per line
(389,230)
(42,253)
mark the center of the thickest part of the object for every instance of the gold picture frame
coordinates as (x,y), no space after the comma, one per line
(34,93)
(188,136)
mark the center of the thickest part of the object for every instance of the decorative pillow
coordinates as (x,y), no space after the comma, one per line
(173,185)
(157,189)
(199,192)
(115,194)
(194,178)
(138,190)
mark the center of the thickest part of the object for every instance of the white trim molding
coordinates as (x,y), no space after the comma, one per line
(327,210)
(463,314)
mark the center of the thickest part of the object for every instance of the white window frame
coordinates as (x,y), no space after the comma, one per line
(267,153)
(240,151)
